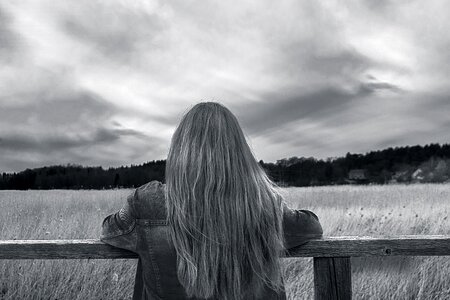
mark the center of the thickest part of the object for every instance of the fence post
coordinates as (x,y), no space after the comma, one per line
(332,278)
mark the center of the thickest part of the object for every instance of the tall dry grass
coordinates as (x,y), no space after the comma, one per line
(343,210)
(378,211)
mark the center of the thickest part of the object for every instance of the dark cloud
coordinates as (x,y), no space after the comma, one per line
(68,126)
(104,146)
(48,144)
(378,86)
(278,111)
(56,108)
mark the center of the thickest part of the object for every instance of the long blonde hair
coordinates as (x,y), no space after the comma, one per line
(224,214)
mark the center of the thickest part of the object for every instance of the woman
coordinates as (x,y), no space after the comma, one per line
(218,226)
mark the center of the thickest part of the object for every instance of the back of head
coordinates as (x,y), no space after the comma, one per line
(224,213)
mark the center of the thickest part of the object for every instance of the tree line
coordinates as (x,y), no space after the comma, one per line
(429,163)
(400,164)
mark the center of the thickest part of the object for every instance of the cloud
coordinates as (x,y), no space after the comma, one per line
(70,127)
(96,82)
(10,42)
(284,107)
(126,33)
(374,86)
(56,108)
(105,146)
(60,143)
(6,37)
(277,111)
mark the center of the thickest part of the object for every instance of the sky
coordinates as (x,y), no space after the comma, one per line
(104,83)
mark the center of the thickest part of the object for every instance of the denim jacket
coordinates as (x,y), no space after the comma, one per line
(140,226)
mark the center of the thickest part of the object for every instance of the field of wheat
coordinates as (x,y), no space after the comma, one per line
(343,210)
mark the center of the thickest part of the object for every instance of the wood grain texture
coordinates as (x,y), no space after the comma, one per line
(353,246)
(332,278)
(60,249)
(326,247)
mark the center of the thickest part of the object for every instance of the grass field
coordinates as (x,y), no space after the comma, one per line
(343,210)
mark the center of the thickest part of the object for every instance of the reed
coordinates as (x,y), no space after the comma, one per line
(343,210)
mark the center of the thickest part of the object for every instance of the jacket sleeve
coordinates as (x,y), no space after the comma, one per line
(300,226)
(118,229)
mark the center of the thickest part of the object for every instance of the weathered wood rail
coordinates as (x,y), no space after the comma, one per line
(332,268)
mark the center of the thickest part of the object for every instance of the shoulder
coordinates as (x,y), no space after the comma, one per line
(297,221)
(151,189)
(149,200)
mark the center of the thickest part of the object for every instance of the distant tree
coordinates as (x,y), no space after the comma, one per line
(397,163)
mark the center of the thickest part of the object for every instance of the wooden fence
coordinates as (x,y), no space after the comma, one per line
(332,268)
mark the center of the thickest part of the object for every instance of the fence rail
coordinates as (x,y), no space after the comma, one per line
(332,267)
